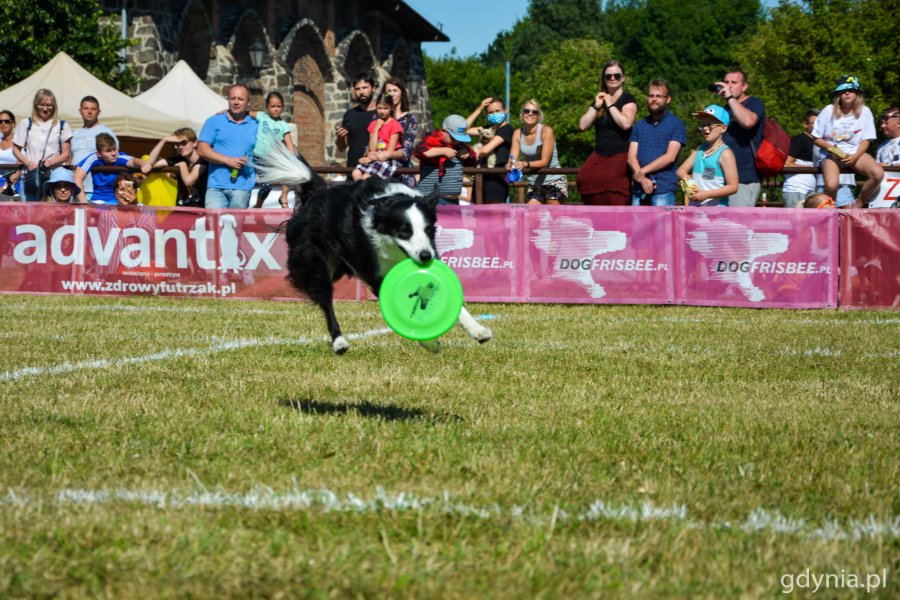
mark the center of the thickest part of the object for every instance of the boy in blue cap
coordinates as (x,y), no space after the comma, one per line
(709,175)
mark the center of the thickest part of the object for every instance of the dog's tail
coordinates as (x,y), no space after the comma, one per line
(280,165)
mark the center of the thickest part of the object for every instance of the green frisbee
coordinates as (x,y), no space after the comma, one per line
(420,302)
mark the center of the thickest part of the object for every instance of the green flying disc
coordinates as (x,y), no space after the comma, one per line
(420,302)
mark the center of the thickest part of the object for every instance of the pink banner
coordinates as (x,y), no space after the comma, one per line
(870,240)
(566,254)
(757,257)
(616,255)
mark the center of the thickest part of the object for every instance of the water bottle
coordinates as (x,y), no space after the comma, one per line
(234,174)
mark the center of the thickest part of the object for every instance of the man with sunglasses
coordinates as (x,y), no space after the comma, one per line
(84,140)
(889,152)
(744,134)
(653,149)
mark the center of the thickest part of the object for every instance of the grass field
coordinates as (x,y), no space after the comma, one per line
(202,449)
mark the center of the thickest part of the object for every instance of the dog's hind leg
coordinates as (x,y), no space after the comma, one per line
(320,289)
(475,329)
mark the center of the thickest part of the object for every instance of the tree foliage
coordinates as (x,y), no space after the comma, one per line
(798,54)
(36,31)
(457,85)
(691,44)
(547,24)
(565,83)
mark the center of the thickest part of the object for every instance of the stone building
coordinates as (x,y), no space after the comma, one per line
(311,49)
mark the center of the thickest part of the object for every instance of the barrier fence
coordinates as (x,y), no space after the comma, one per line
(746,257)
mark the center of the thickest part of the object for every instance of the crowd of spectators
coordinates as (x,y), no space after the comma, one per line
(634,160)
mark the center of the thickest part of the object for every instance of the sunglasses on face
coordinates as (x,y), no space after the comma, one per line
(706,128)
(181,144)
(883,117)
(611,76)
(5,121)
(530,111)
(827,202)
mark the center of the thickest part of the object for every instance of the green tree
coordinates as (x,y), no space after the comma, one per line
(690,44)
(547,24)
(457,85)
(797,56)
(36,31)
(564,83)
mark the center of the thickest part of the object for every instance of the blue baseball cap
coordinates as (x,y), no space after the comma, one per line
(713,113)
(456,126)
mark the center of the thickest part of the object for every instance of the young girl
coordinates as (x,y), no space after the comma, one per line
(61,186)
(384,136)
(271,128)
(710,172)
(843,132)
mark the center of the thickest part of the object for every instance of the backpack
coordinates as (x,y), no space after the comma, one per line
(773,149)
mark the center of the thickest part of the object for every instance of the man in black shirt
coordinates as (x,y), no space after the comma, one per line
(352,133)
(797,187)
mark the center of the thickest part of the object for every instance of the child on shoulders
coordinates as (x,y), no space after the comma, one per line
(384,138)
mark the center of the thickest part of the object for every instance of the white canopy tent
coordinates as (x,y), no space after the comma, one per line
(70,82)
(183,94)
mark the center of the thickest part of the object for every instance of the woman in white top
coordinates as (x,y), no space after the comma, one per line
(7,125)
(42,140)
(843,132)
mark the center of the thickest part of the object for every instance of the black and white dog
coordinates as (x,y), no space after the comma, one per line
(361,229)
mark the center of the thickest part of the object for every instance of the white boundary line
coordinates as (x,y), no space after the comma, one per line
(103,363)
(759,520)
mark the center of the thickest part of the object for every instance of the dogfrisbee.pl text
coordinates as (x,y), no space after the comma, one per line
(815,581)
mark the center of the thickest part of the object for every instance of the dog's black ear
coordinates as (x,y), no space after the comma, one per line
(432,198)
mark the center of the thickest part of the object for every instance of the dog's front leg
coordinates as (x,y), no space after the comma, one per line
(475,329)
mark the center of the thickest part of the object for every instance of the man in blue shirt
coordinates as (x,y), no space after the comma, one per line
(226,142)
(653,150)
(744,134)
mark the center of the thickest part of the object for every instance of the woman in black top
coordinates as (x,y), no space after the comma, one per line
(603,178)
(493,149)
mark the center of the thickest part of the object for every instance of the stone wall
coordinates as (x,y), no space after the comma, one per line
(309,63)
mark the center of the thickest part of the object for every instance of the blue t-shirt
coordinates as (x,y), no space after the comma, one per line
(743,141)
(231,139)
(104,183)
(653,141)
(84,143)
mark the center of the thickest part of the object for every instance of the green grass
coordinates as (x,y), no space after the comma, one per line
(587,451)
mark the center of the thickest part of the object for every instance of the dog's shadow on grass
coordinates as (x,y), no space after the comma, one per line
(365,408)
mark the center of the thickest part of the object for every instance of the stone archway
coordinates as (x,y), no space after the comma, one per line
(195,39)
(308,108)
(310,68)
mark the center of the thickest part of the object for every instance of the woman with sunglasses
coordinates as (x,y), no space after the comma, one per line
(603,179)
(843,132)
(534,147)
(41,143)
(7,125)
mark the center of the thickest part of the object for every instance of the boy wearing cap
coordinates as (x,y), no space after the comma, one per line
(710,172)
(843,132)
(442,155)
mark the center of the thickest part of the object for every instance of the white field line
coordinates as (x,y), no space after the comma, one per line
(759,520)
(225,346)
(104,363)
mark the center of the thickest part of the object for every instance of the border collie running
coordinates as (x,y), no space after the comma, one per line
(361,229)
